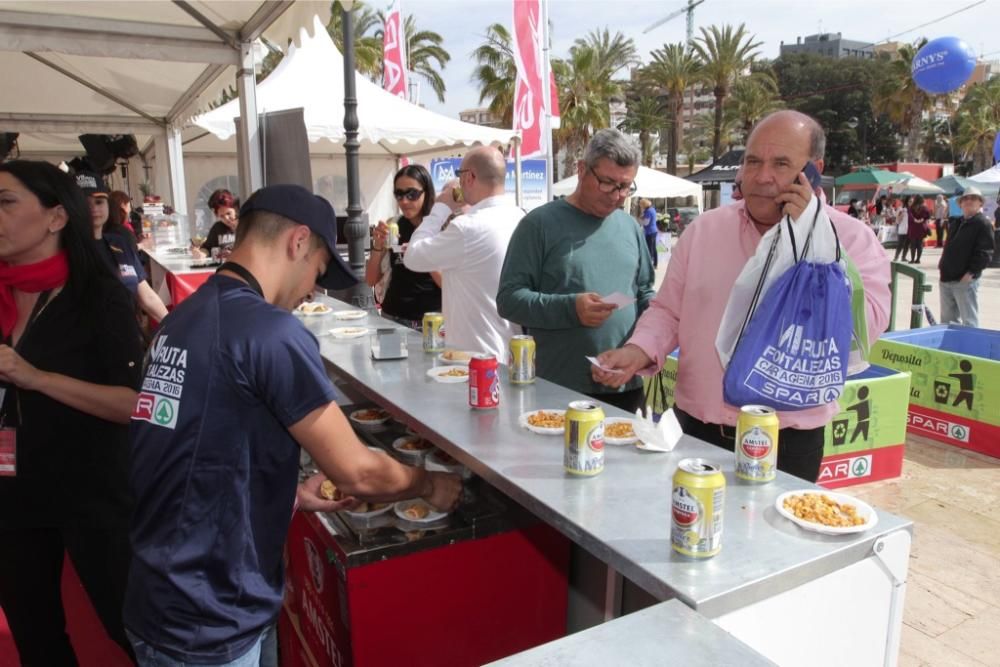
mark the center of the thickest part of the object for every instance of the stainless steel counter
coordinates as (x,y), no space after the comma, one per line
(622,516)
(179,263)
(666,634)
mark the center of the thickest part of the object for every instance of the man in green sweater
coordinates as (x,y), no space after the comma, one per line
(566,256)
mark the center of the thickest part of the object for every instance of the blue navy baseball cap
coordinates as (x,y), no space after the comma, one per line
(299,205)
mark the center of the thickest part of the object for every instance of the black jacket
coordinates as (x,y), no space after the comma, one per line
(969,248)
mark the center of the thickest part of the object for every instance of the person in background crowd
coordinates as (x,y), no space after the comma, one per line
(940,219)
(116,247)
(880,205)
(918,228)
(900,217)
(649,227)
(968,251)
(688,308)
(215,477)
(409,294)
(996,214)
(852,208)
(222,234)
(566,256)
(120,214)
(69,366)
(468,249)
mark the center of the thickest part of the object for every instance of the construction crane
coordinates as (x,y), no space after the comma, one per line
(690,19)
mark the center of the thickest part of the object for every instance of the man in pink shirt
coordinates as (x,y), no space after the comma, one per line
(687,310)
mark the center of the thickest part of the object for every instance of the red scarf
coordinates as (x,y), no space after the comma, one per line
(38,277)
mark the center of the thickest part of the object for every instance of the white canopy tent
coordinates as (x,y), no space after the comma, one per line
(141,68)
(649,183)
(991,175)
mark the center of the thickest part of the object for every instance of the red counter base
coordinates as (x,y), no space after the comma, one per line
(861,467)
(953,430)
(461,604)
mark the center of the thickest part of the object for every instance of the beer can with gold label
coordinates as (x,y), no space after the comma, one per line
(433,336)
(584,451)
(757,443)
(696,509)
(522,360)
(392,238)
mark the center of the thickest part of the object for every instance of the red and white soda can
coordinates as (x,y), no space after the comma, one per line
(484,382)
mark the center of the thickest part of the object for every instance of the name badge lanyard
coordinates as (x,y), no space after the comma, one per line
(8,435)
(243,273)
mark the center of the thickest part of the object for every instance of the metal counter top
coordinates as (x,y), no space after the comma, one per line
(621,516)
(665,634)
(179,263)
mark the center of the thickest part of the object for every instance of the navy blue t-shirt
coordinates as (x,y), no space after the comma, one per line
(122,257)
(214,470)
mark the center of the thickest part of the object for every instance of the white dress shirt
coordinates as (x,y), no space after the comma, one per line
(469,252)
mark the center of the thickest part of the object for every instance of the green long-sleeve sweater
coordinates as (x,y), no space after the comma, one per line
(557,252)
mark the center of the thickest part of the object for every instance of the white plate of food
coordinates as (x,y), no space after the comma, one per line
(417,511)
(413,448)
(619,431)
(544,422)
(826,512)
(313,309)
(369,417)
(368,510)
(350,314)
(449,374)
(455,357)
(345,333)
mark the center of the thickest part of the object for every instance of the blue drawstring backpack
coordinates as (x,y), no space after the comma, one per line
(792,352)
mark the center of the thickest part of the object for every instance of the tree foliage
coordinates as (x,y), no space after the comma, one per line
(672,70)
(495,73)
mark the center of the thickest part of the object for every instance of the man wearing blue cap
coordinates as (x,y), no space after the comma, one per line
(233,385)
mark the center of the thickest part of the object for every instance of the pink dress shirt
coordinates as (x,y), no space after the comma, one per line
(687,310)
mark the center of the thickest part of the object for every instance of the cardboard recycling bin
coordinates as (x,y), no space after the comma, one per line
(864,441)
(955,386)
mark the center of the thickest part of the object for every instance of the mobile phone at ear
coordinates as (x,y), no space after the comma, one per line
(812,174)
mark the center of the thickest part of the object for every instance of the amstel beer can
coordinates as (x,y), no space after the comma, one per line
(696,513)
(757,443)
(584,452)
(522,359)
(484,382)
(392,238)
(433,336)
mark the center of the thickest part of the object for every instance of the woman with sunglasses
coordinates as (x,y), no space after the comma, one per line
(409,294)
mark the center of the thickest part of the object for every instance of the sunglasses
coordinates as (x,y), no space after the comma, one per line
(411,194)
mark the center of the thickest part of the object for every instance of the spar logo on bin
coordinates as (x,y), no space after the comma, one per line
(686,508)
(941,427)
(852,468)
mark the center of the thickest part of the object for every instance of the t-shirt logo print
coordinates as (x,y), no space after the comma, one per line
(164,413)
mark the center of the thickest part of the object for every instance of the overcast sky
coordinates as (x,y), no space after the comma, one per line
(463,24)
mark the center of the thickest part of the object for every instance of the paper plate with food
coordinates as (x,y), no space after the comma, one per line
(347,333)
(417,511)
(413,448)
(544,422)
(619,431)
(455,357)
(350,314)
(369,510)
(449,374)
(369,417)
(313,309)
(825,512)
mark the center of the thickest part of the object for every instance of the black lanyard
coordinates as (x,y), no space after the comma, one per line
(243,273)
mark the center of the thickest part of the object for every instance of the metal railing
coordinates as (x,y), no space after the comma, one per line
(920,288)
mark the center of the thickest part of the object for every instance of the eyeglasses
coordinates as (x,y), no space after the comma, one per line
(459,172)
(410,194)
(607,186)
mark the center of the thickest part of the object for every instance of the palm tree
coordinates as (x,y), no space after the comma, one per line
(673,68)
(423,50)
(584,97)
(613,51)
(752,98)
(979,122)
(367,48)
(898,97)
(726,52)
(644,117)
(496,73)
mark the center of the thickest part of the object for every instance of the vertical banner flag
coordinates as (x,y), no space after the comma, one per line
(528,105)
(394,53)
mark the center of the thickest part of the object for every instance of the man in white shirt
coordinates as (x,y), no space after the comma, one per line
(468,249)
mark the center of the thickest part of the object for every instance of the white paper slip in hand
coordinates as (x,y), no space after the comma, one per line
(618,300)
(595,362)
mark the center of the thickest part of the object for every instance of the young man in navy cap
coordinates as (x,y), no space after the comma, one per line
(234,384)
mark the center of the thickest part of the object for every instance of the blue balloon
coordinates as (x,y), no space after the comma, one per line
(943,65)
(996,148)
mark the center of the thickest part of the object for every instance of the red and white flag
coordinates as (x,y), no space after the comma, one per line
(394,53)
(528,104)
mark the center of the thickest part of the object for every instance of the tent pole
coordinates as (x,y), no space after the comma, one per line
(357,223)
(518,192)
(251,166)
(547,99)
